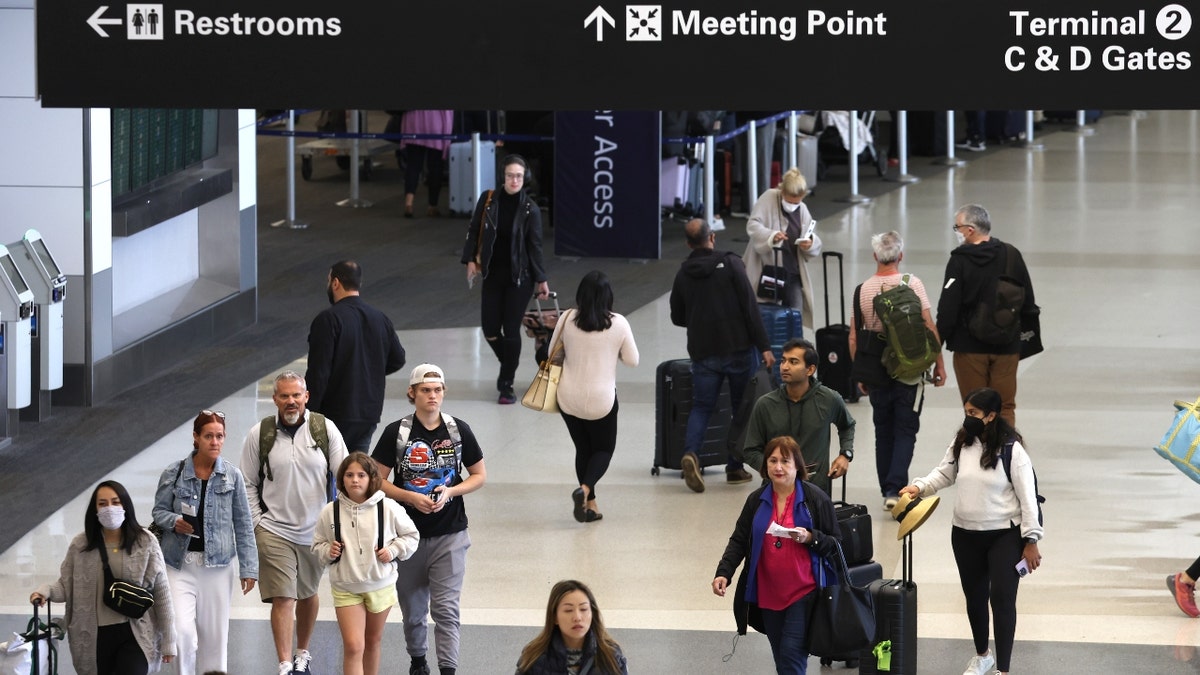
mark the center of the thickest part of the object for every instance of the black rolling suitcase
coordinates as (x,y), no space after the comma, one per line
(855,523)
(895,621)
(833,341)
(672,404)
(861,576)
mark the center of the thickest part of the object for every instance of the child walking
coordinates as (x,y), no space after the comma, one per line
(361,535)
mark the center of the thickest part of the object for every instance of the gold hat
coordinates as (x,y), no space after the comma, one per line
(912,512)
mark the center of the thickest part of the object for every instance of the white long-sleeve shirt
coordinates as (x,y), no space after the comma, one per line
(986,500)
(588,386)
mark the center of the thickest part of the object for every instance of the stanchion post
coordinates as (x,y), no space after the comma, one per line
(752,162)
(949,159)
(290,221)
(476,162)
(1081,126)
(354,201)
(793,127)
(854,197)
(711,215)
(1030,143)
(902,147)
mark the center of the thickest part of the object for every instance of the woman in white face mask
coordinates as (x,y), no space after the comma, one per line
(780,220)
(103,641)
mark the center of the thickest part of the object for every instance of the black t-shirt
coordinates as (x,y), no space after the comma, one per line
(196,543)
(506,216)
(428,460)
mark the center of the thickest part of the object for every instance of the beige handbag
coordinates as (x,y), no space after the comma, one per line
(542,394)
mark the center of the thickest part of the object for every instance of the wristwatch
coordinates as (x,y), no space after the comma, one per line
(848,454)
(1030,540)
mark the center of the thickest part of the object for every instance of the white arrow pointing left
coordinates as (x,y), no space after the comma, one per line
(95,21)
(599,17)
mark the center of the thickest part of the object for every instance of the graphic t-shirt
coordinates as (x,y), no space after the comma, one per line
(427,460)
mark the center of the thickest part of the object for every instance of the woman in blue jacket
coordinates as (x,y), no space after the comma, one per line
(777,586)
(201,507)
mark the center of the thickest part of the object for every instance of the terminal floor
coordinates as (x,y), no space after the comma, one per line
(1104,222)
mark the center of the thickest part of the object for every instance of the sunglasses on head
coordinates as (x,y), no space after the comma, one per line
(213,413)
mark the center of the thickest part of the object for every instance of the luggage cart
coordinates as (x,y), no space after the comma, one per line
(341,148)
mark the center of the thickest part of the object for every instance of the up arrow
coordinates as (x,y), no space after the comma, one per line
(95,21)
(599,17)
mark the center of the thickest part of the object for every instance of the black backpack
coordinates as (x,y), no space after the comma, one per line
(1006,460)
(997,318)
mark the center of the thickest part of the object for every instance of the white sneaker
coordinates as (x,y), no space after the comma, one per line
(285,668)
(981,665)
(300,663)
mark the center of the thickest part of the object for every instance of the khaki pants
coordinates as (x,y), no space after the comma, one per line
(998,371)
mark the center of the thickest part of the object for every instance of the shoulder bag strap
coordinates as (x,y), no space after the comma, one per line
(482,219)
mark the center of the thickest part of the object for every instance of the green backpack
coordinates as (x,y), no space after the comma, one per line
(911,347)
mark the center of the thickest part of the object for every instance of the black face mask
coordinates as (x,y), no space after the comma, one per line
(973,426)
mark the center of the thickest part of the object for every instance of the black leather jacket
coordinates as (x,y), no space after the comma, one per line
(526,254)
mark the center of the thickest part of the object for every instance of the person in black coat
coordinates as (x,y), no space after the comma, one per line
(352,347)
(504,247)
(574,637)
(777,586)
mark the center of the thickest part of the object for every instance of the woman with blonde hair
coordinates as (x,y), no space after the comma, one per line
(780,220)
(574,639)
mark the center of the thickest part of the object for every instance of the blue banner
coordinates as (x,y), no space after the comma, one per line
(606,172)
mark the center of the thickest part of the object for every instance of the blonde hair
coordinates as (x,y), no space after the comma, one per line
(793,183)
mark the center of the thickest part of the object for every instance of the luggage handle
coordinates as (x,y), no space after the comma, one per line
(825,256)
(778,250)
(538,303)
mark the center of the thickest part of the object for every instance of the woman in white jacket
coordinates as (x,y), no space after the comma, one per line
(996,525)
(363,556)
(780,219)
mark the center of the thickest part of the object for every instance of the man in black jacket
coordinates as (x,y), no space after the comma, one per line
(713,299)
(972,275)
(352,347)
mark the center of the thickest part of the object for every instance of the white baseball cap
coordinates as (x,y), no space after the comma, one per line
(426,372)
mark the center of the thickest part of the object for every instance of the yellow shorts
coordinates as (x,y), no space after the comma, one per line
(376,601)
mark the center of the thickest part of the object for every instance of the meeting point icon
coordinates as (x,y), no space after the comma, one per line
(643,23)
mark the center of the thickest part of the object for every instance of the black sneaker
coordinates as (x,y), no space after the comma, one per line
(418,669)
(507,397)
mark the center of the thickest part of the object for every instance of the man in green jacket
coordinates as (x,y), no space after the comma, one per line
(802,408)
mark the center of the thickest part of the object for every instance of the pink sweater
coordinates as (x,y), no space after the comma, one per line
(588,386)
(428,122)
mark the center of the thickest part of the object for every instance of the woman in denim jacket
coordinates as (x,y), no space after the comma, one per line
(202,509)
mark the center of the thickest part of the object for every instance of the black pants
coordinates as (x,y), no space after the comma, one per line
(986,568)
(357,435)
(415,158)
(117,651)
(595,441)
(503,306)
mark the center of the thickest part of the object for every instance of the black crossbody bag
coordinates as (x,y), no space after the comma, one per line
(124,597)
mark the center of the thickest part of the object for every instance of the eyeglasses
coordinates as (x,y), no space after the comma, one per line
(956,227)
(514,176)
(213,413)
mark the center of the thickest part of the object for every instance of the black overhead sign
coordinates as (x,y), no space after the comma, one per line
(588,54)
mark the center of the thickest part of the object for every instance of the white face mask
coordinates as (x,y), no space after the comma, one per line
(789,207)
(111,517)
(958,236)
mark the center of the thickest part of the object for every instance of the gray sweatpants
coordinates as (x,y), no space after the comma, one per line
(430,585)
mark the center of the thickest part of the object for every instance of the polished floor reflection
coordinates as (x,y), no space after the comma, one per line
(1107,225)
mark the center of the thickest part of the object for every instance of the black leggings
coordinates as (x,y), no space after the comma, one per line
(118,652)
(595,441)
(416,157)
(503,306)
(1194,570)
(986,562)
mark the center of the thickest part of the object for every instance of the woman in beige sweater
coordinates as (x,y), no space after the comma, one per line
(594,338)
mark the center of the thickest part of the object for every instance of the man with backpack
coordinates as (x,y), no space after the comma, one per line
(894,342)
(428,452)
(288,460)
(986,308)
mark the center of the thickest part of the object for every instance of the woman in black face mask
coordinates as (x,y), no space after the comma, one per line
(996,523)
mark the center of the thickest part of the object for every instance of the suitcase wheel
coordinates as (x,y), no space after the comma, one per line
(654,471)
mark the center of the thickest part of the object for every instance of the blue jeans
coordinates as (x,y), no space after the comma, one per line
(787,631)
(708,374)
(896,427)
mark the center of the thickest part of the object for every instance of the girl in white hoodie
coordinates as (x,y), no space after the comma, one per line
(363,576)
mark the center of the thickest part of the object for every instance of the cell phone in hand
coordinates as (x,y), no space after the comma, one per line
(436,496)
(1022,568)
(812,227)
